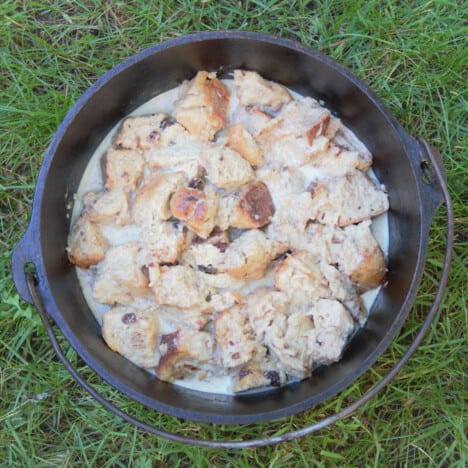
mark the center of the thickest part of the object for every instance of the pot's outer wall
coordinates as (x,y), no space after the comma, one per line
(161,68)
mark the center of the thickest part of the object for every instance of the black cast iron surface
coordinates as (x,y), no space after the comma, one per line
(397,163)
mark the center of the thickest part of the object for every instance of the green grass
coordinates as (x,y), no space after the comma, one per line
(413,55)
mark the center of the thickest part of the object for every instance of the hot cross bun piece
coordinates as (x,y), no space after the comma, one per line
(255,91)
(358,255)
(202,105)
(147,132)
(235,337)
(161,243)
(123,169)
(196,209)
(225,168)
(86,244)
(107,207)
(184,353)
(133,332)
(242,141)
(347,200)
(166,282)
(252,206)
(119,277)
(151,202)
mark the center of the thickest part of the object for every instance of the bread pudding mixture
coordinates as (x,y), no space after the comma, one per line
(223,235)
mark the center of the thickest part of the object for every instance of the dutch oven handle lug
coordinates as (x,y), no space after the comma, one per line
(293,434)
(434,177)
(24,253)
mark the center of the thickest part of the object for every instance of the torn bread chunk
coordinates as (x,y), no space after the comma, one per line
(333,326)
(342,289)
(123,169)
(240,140)
(202,105)
(297,133)
(285,337)
(161,243)
(252,206)
(353,249)
(185,353)
(302,339)
(253,90)
(222,281)
(196,209)
(151,203)
(205,257)
(235,337)
(300,276)
(147,132)
(256,374)
(253,120)
(251,376)
(306,277)
(178,286)
(291,218)
(337,161)
(347,200)
(264,305)
(182,154)
(225,168)
(119,276)
(108,206)
(86,244)
(292,203)
(344,138)
(248,256)
(223,300)
(358,255)
(190,167)
(191,318)
(133,333)
(304,117)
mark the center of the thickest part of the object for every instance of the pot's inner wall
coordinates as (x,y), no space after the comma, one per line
(153,72)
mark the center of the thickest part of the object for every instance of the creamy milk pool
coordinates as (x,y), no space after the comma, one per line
(93,181)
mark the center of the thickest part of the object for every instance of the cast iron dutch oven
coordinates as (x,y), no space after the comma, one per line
(400,161)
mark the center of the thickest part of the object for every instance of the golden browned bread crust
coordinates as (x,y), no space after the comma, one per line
(86,244)
(202,106)
(252,207)
(240,140)
(196,209)
(151,203)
